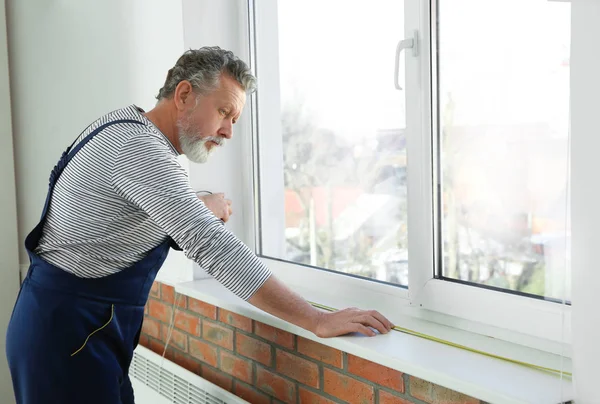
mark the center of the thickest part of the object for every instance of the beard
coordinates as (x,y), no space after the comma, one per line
(192,144)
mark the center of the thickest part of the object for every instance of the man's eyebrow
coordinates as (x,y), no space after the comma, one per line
(229,106)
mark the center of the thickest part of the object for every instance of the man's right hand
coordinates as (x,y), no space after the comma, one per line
(352,320)
(276,298)
(218,205)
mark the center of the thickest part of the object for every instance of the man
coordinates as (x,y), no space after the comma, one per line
(117,201)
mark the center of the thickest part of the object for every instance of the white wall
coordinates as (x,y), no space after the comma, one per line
(72,62)
(9,269)
(223,23)
(585,196)
(72,69)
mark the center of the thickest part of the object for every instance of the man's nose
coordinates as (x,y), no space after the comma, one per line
(227,130)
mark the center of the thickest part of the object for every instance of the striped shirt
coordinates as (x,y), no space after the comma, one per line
(122,195)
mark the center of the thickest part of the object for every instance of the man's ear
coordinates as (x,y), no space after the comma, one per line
(184,94)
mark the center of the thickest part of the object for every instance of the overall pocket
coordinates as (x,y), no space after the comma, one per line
(112,314)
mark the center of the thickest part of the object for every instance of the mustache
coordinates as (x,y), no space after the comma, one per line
(218,140)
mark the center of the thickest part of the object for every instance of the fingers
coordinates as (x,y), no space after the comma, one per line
(225,215)
(229,208)
(356,327)
(226,212)
(347,321)
(387,323)
(375,319)
(373,322)
(220,206)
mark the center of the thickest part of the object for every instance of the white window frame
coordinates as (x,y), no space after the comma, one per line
(531,322)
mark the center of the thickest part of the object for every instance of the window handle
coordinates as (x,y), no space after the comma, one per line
(410,43)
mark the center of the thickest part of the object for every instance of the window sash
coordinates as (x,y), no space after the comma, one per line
(532,322)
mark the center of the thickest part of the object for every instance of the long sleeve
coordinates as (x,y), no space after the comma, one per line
(147,174)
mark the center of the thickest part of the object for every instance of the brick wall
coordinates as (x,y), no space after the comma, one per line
(266,365)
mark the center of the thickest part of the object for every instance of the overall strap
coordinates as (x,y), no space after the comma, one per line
(33,238)
(71,152)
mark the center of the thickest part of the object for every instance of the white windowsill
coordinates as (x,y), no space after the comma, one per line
(476,375)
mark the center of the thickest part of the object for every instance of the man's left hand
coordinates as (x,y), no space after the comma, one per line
(218,205)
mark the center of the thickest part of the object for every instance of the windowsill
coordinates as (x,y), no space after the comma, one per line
(472,374)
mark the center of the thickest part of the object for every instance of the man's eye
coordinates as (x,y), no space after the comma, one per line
(223,112)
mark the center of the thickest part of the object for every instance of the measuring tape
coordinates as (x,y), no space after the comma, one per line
(463,347)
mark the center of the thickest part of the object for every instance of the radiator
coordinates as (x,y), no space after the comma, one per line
(172,384)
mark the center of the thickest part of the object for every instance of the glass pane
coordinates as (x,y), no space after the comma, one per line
(343,137)
(503,104)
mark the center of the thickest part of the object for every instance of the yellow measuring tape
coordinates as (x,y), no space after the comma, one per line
(466,348)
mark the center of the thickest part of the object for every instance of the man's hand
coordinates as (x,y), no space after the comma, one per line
(352,320)
(277,299)
(218,205)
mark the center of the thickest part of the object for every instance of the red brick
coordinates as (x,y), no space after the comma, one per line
(181,300)
(170,354)
(151,327)
(186,361)
(203,351)
(187,322)
(253,349)
(276,386)
(236,367)
(387,398)
(275,335)
(250,394)
(308,397)
(320,352)
(376,373)
(297,368)
(160,311)
(156,346)
(204,309)
(144,341)
(146,309)
(347,388)
(219,378)
(178,339)
(434,394)
(217,334)
(155,290)
(167,294)
(233,319)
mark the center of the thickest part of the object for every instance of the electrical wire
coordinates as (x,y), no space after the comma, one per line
(175,308)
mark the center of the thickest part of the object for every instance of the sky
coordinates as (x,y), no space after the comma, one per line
(339,54)
(502,61)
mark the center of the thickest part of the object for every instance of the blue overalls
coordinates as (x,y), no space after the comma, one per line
(70,340)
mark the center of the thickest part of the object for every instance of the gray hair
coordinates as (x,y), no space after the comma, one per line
(203,68)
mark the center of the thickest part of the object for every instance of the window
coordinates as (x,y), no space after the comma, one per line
(343,139)
(439,167)
(503,115)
